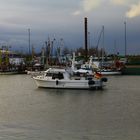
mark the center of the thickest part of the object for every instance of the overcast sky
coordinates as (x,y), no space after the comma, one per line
(65,19)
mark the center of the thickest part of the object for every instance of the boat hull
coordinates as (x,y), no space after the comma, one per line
(111,72)
(69,84)
(9,73)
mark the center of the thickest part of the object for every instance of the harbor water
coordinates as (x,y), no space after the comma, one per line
(31,113)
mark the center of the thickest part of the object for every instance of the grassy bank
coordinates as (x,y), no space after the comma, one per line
(132,70)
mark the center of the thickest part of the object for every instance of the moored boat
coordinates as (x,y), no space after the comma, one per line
(109,68)
(8,72)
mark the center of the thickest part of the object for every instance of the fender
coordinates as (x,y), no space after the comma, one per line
(104,79)
(57,82)
(91,82)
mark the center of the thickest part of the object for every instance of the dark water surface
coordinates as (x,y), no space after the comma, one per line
(30,113)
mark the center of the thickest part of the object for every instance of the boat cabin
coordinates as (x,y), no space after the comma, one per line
(57,74)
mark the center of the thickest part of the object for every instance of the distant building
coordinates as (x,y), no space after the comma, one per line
(9,57)
(16,61)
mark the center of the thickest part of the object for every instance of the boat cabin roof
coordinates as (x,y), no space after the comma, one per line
(55,70)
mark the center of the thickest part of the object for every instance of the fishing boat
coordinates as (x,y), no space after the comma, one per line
(105,68)
(62,79)
(106,65)
(111,67)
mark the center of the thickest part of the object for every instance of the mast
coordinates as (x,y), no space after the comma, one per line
(103,44)
(101,35)
(102,53)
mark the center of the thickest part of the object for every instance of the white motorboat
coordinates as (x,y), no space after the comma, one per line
(60,78)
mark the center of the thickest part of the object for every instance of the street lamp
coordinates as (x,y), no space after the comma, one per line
(29,41)
(125,42)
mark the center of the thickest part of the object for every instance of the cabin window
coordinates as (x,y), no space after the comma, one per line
(49,74)
(58,76)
